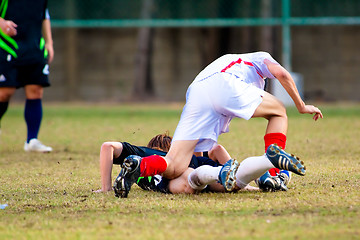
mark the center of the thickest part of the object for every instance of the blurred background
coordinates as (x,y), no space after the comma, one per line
(151,50)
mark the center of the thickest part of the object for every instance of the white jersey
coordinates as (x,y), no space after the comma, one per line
(248,67)
(231,86)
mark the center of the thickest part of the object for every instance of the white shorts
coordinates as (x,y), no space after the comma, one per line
(211,103)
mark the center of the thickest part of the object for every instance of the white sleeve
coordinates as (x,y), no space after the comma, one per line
(258,60)
(47,14)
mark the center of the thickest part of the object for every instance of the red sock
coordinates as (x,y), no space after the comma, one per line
(280,140)
(274,171)
(152,165)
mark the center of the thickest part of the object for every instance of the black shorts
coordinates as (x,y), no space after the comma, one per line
(17,75)
(200,161)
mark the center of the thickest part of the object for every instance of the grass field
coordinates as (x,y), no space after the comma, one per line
(50,196)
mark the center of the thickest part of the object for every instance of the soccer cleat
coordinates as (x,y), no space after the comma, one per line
(282,160)
(35,145)
(121,189)
(128,175)
(285,176)
(269,183)
(227,174)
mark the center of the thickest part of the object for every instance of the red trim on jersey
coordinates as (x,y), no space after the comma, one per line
(239,61)
(231,64)
(248,63)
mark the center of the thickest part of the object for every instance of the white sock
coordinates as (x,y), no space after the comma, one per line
(252,168)
(203,176)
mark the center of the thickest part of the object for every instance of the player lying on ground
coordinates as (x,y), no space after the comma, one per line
(250,170)
(205,176)
(115,152)
(231,86)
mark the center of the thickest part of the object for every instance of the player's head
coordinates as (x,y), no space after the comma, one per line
(161,142)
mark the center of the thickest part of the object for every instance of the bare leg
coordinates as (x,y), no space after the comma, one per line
(6,93)
(178,158)
(274,111)
(34,91)
(210,174)
(180,184)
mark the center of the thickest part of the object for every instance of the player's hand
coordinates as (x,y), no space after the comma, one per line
(8,27)
(310,109)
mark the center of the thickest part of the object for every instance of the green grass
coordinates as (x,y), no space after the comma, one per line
(50,195)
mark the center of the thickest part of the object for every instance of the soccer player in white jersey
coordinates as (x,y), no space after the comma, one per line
(231,86)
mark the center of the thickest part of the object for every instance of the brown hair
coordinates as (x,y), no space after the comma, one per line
(161,142)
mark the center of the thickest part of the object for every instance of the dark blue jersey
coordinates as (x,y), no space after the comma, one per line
(129,149)
(26,46)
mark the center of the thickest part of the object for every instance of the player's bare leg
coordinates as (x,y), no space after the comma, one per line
(178,158)
(274,111)
(5,95)
(181,185)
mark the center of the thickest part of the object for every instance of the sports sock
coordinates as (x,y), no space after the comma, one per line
(252,168)
(203,176)
(280,140)
(3,108)
(33,117)
(152,165)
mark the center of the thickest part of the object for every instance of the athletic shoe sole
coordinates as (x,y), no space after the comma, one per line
(126,178)
(282,160)
(230,180)
(119,187)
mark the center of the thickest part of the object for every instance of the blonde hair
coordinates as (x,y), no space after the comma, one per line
(161,142)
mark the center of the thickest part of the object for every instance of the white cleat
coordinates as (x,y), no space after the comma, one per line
(36,146)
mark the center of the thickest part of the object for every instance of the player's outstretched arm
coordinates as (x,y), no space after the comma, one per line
(108,151)
(288,83)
